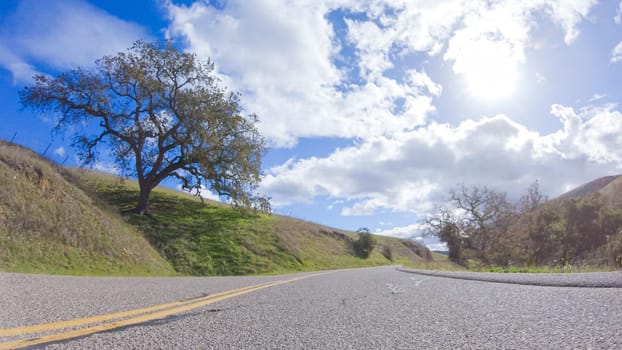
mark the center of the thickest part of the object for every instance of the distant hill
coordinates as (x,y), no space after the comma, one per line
(610,187)
(76,221)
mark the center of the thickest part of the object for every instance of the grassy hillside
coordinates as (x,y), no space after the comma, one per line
(608,186)
(75,221)
(612,193)
(210,238)
(49,225)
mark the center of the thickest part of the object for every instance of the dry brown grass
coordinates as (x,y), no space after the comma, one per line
(49,225)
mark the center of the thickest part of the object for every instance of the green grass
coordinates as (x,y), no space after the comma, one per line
(27,255)
(80,222)
(49,225)
(209,238)
(196,238)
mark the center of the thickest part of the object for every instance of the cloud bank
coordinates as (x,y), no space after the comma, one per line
(346,69)
(413,170)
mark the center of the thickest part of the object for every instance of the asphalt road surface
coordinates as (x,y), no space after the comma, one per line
(377,308)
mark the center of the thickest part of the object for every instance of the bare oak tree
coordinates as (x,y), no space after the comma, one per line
(486,215)
(445,226)
(160,113)
(474,225)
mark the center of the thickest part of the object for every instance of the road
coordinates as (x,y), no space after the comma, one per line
(377,308)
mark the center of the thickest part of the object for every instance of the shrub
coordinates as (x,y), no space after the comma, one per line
(364,245)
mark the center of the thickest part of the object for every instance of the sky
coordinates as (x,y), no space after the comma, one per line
(373,110)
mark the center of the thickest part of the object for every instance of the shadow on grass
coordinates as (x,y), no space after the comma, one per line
(203,238)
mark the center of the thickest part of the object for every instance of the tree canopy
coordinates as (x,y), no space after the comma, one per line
(481,226)
(159,113)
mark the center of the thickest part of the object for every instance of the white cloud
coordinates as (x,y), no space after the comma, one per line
(373,44)
(334,203)
(414,231)
(597,97)
(60,151)
(417,232)
(283,59)
(421,79)
(616,53)
(286,57)
(205,193)
(440,247)
(21,71)
(412,171)
(618,18)
(600,136)
(60,35)
(106,167)
(568,14)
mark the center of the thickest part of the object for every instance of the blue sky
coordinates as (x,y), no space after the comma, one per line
(374,109)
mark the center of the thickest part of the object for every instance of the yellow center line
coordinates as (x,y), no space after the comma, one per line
(8,332)
(156,312)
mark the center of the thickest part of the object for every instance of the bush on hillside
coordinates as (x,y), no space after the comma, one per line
(364,245)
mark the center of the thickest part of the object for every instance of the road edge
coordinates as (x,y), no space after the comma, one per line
(575,280)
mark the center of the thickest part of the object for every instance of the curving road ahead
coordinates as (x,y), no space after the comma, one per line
(377,308)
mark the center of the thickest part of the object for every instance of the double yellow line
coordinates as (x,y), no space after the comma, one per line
(122,319)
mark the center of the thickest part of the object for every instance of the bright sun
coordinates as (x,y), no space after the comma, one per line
(490,69)
(491,80)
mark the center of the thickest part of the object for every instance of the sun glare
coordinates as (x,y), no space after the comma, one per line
(492,80)
(490,70)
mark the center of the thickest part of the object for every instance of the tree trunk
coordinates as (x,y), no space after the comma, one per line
(142,207)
